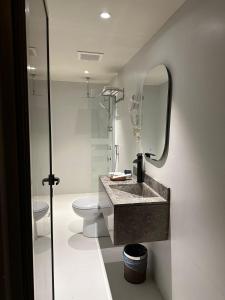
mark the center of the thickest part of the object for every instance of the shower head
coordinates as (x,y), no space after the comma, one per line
(88,89)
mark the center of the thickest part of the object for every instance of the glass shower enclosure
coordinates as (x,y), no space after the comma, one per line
(102,138)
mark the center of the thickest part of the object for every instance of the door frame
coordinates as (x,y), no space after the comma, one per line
(16,249)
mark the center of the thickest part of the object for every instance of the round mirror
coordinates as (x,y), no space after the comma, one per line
(155,112)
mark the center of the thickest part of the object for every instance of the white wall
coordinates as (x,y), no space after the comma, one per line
(192,46)
(79,127)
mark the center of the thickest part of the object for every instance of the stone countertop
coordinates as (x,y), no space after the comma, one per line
(118,197)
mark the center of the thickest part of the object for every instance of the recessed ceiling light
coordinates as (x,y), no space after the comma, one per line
(86,72)
(105,15)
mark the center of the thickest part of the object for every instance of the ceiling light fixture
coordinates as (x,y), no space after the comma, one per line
(86,72)
(105,15)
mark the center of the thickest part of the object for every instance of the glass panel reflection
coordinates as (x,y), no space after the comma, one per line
(39,146)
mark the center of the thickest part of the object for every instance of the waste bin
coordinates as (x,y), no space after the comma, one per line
(135,263)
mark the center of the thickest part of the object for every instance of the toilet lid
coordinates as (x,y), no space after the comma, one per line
(86,202)
(39,206)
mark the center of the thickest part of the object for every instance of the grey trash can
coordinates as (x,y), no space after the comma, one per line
(135,263)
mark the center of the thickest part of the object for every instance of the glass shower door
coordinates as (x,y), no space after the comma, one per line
(42,178)
(102,116)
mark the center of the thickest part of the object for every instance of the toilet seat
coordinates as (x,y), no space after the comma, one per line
(40,209)
(85,203)
(40,206)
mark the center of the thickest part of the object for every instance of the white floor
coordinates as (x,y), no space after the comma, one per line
(42,257)
(79,268)
(80,273)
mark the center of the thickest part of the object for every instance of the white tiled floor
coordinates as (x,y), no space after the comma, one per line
(79,268)
(42,257)
(42,268)
(80,273)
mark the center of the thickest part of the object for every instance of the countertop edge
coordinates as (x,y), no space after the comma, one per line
(161,202)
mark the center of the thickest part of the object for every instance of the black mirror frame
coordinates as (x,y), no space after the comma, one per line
(161,161)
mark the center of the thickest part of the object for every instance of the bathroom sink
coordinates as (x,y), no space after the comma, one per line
(135,190)
(137,211)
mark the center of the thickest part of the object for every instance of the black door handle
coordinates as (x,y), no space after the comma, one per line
(44,180)
(57,180)
(51,179)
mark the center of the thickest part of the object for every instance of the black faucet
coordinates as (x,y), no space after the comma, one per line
(139,162)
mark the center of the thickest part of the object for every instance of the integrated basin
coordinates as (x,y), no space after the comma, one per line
(136,190)
(137,212)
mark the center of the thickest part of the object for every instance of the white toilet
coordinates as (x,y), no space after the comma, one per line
(40,209)
(87,207)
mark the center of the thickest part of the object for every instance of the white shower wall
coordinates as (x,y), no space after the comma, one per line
(79,134)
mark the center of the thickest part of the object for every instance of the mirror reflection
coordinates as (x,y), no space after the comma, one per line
(154,112)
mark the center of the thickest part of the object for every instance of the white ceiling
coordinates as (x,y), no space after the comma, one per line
(75,25)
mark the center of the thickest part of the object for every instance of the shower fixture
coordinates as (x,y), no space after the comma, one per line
(105,103)
(103,106)
(116,93)
(88,90)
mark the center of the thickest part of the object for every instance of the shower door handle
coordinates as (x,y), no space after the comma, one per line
(51,180)
(56,180)
(44,180)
